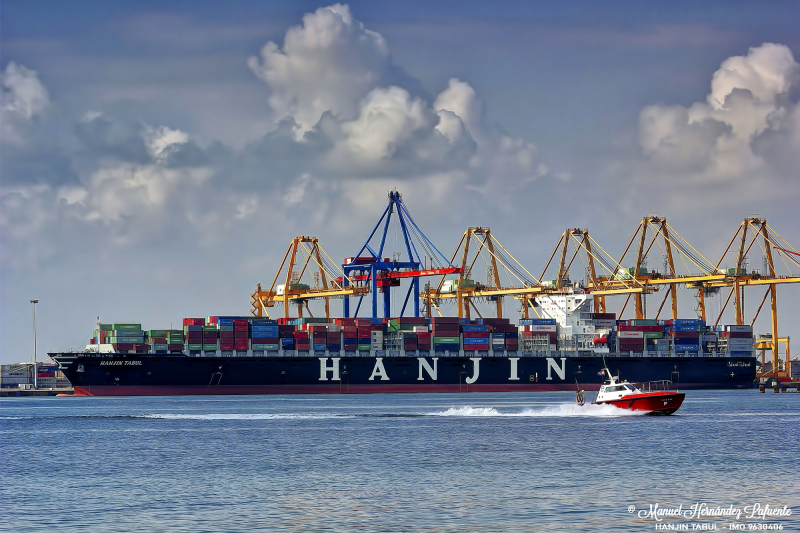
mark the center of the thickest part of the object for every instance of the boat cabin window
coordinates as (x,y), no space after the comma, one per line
(629,387)
(615,388)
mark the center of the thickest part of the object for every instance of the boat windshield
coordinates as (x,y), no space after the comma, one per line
(630,387)
(615,388)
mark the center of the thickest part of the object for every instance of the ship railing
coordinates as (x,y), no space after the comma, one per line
(656,386)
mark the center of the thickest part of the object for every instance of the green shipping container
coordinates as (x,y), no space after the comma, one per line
(643,322)
(126,326)
(195,346)
(209,328)
(365,347)
(106,327)
(157,332)
(446,340)
(653,335)
(391,328)
(208,346)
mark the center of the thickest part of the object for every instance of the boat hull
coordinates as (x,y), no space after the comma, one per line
(651,403)
(179,374)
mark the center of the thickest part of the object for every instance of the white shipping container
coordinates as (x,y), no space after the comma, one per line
(740,329)
(631,334)
(420,329)
(740,342)
(598,323)
(542,328)
(708,338)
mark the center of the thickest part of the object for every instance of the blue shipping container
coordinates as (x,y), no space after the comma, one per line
(537,322)
(471,328)
(475,341)
(448,346)
(688,322)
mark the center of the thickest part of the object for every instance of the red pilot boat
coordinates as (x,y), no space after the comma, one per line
(625,395)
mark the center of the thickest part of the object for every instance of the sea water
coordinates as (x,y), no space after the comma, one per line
(395,462)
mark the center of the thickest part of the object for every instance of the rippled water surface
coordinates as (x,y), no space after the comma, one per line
(394,462)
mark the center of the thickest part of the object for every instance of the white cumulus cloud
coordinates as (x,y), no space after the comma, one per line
(327,64)
(23,97)
(747,113)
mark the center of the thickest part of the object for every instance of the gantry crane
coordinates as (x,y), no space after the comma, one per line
(594,258)
(754,230)
(670,243)
(368,269)
(505,276)
(322,272)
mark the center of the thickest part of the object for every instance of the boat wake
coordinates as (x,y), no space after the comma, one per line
(555,411)
(241,416)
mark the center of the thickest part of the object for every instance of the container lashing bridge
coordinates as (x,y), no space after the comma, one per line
(369,268)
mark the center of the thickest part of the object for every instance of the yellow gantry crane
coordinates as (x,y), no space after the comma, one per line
(755,230)
(505,276)
(304,256)
(655,234)
(598,264)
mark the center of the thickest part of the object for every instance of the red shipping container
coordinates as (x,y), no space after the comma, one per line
(736,335)
(226,347)
(175,347)
(266,340)
(475,334)
(685,334)
(226,334)
(240,322)
(445,320)
(470,347)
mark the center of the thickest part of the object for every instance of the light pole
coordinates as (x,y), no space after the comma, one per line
(35,370)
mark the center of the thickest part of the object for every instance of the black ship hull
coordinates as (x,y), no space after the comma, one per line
(110,374)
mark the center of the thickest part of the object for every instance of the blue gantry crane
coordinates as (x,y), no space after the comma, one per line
(369,268)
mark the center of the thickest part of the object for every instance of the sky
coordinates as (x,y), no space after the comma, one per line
(156,158)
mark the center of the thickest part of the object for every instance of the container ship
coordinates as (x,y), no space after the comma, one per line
(569,344)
